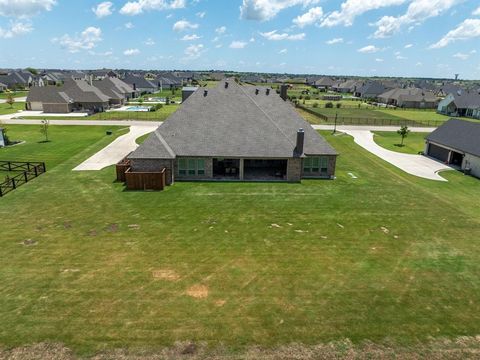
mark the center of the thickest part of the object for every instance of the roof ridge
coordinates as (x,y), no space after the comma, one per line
(165,144)
(268,116)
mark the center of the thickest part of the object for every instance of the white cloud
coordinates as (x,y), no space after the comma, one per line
(129,25)
(194,51)
(103,9)
(149,42)
(140,6)
(283,51)
(221,30)
(379,60)
(238,45)
(400,57)
(262,10)
(192,37)
(418,11)
(86,40)
(201,14)
(334,41)
(476,12)
(350,9)
(469,29)
(183,25)
(408,46)
(311,17)
(131,52)
(25,8)
(218,46)
(15,29)
(461,56)
(274,36)
(370,49)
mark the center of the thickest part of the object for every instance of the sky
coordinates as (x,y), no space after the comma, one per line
(411,38)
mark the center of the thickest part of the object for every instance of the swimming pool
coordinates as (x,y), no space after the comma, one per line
(138,108)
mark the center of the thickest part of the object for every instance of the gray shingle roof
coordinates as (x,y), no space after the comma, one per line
(466,99)
(458,134)
(233,122)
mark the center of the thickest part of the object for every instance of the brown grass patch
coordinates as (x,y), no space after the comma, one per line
(165,274)
(198,291)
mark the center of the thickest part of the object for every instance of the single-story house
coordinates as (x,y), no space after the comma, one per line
(370,90)
(140,84)
(73,95)
(235,133)
(3,87)
(456,142)
(461,103)
(118,91)
(409,98)
(325,83)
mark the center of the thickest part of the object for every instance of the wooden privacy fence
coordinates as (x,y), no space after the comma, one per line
(140,180)
(26,172)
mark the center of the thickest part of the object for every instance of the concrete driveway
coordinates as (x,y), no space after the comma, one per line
(116,151)
(417,165)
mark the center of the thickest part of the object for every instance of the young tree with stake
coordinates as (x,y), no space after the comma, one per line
(403,132)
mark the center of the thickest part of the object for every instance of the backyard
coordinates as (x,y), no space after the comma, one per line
(386,257)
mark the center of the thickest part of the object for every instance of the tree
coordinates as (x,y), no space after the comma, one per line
(32,71)
(44,129)
(403,132)
(10,100)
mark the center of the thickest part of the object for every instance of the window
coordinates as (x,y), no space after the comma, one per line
(191,167)
(315,164)
(182,167)
(201,167)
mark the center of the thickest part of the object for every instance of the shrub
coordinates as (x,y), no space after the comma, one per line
(339,105)
(329,105)
(315,104)
(300,97)
(307,97)
(158,107)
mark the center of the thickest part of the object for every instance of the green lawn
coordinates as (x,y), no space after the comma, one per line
(7,109)
(159,115)
(15,94)
(413,143)
(386,257)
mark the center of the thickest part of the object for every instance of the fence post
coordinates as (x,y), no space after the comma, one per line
(25,175)
(9,166)
(36,171)
(14,186)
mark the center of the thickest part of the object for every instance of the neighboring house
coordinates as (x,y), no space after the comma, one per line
(2,139)
(187,91)
(52,78)
(235,132)
(140,84)
(370,90)
(456,142)
(3,87)
(324,83)
(409,98)
(102,74)
(117,90)
(461,103)
(348,86)
(17,80)
(447,89)
(73,95)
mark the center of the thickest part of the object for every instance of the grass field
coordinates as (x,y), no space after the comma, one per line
(159,115)
(15,94)
(386,257)
(413,144)
(7,109)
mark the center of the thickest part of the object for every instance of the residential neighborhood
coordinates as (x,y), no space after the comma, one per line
(244,179)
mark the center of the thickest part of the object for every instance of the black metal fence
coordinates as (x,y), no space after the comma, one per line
(365,121)
(26,172)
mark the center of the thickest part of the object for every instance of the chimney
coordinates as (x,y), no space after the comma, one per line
(205,93)
(91,80)
(257,91)
(284,92)
(300,142)
(226,84)
(134,86)
(268,92)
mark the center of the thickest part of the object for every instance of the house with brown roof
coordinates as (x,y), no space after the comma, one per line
(414,98)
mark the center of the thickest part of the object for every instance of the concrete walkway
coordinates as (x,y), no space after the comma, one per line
(64,122)
(17,100)
(417,165)
(116,151)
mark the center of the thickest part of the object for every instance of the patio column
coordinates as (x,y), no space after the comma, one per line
(242,169)
(450,155)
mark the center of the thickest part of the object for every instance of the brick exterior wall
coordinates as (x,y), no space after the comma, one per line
(294,169)
(208,170)
(154,165)
(330,174)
